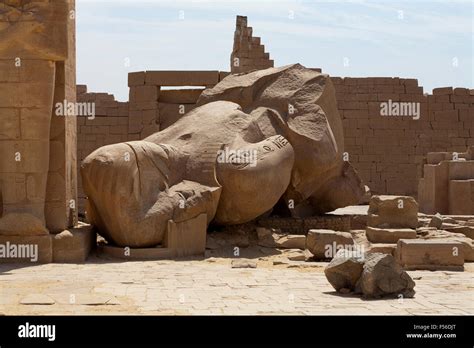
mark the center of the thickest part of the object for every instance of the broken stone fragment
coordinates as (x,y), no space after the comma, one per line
(382,276)
(345,269)
(436,221)
(430,254)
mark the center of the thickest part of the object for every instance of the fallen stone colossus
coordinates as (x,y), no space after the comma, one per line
(285,120)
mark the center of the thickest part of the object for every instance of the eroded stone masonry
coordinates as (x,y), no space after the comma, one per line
(231,164)
(388,151)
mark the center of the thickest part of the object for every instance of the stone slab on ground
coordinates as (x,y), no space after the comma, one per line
(37,299)
(389,235)
(430,255)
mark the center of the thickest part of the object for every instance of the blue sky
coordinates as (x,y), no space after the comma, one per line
(424,39)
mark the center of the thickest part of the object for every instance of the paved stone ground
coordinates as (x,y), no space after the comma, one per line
(212,287)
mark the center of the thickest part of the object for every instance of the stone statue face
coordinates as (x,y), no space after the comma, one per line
(34,29)
(234,157)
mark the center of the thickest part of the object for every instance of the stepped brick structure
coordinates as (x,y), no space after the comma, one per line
(447,186)
(248,52)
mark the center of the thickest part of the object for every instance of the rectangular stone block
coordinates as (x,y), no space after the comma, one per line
(180,96)
(74,244)
(436,189)
(389,235)
(139,94)
(430,255)
(182,78)
(26,249)
(447,115)
(443,91)
(461,197)
(136,78)
(436,157)
(188,237)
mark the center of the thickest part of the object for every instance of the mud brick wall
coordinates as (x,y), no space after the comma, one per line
(388,151)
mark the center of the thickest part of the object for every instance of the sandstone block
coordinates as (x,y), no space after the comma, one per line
(389,235)
(430,254)
(291,241)
(73,245)
(393,211)
(179,96)
(144,94)
(324,244)
(383,248)
(461,196)
(187,238)
(443,91)
(136,78)
(182,78)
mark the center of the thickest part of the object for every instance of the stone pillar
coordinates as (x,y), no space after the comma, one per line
(37,147)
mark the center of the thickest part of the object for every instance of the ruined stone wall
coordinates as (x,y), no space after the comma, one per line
(158,108)
(388,151)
